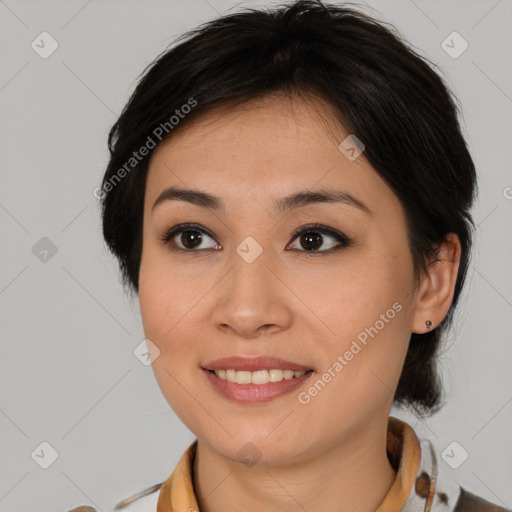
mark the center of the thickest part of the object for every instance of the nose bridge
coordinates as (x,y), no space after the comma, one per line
(251,295)
(250,274)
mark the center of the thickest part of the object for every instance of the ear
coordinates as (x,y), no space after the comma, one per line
(434,297)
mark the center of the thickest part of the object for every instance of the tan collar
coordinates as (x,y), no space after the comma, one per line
(402,445)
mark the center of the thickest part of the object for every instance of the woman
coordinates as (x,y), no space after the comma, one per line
(289,196)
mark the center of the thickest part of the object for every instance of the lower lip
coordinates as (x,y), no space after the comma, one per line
(255,393)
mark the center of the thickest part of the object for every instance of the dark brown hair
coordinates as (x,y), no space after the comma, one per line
(377,87)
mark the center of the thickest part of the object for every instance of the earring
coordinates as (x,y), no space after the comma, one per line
(428,323)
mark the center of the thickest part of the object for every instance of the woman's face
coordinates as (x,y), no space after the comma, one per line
(248,288)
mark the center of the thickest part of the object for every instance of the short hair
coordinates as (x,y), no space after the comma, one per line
(375,84)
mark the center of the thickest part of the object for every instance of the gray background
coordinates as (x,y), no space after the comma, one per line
(68,374)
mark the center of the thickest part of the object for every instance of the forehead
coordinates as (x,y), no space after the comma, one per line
(264,148)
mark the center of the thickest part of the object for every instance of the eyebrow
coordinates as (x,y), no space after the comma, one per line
(284,204)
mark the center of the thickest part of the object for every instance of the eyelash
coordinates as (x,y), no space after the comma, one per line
(343,240)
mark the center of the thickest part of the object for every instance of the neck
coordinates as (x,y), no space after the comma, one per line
(353,475)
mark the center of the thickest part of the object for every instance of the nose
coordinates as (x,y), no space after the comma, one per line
(252,299)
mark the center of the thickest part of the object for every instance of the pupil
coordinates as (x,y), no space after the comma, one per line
(312,238)
(188,238)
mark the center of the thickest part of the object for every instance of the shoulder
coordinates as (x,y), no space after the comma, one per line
(469,502)
(143,501)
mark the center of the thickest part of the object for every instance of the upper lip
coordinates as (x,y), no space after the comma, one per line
(253,364)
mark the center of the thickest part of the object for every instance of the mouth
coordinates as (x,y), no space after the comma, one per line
(256,387)
(258,377)
(253,380)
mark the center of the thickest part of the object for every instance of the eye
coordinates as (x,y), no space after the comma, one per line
(311,237)
(191,237)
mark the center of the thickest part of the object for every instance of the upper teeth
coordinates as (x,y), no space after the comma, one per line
(258,377)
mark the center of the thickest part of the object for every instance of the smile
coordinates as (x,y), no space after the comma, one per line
(258,377)
(255,387)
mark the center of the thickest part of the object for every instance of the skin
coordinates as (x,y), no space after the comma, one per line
(329,454)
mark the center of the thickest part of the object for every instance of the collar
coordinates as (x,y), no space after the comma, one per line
(421,483)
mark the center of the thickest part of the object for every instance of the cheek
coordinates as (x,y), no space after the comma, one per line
(352,295)
(364,306)
(165,314)
(170,303)
(162,296)
(154,307)
(166,323)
